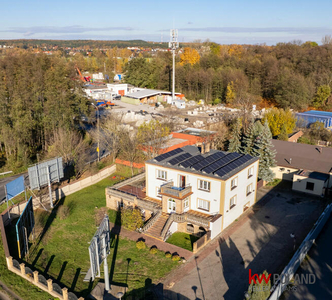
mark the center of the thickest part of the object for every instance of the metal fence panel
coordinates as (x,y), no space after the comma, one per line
(15,187)
(40,173)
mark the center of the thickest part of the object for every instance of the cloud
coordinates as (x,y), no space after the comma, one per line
(28,31)
(290,30)
(190,23)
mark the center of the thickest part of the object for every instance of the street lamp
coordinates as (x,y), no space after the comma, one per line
(98,150)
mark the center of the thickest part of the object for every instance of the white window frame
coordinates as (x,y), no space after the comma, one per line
(250,186)
(204,185)
(234,183)
(162,174)
(232,201)
(203,204)
(251,171)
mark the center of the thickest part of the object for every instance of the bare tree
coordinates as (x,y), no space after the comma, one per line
(327,40)
(130,149)
(244,102)
(69,145)
(153,137)
(110,133)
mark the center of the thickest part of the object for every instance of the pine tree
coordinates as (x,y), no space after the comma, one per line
(248,140)
(263,149)
(235,139)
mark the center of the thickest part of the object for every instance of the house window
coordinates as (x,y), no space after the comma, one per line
(249,189)
(250,172)
(158,192)
(203,204)
(310,186)
(232,202)
(186,203)
(204,185)
(162,174)
(234,183)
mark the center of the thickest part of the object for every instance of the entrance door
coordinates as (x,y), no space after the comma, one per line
(182,181)
(171,206)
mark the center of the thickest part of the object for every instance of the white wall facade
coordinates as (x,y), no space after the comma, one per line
(173,175)
(300,184)
(215,227)
(284,173)
(230,214)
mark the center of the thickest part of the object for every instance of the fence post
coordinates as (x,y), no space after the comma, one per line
(9,262)
(65,293)
(22,266)
(50,285)
(35,277)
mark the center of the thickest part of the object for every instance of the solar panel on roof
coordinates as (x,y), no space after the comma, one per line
(221,162)
(209,160)
(168,154)
(233,165)
(191,161)
(179,158)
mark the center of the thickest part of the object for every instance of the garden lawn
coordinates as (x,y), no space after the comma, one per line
(62,253)
(183,240)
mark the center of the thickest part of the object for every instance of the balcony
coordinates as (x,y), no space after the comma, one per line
(170,190)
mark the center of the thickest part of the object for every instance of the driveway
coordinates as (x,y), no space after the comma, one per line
(261,243)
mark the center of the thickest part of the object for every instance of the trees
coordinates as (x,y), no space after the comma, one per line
(235,137)
(323,92)
(279,118)
(153,137)
(189,56)
(263,149)
(247,146)
(130,148)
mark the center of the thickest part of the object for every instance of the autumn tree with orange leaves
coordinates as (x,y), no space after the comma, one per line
(189,56)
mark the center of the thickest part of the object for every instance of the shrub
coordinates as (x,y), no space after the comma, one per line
(140,245)
(153,250)
(176,257)
(63,212)
(168,255)
(131,218)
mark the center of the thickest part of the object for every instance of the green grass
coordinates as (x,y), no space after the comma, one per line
(183,240)
(64,246)
(274,183)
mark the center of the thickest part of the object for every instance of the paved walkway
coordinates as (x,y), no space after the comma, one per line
(150,241)
(259,241)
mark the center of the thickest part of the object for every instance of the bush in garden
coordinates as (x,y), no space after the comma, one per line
(168,255)
(176,257)
(131,218)
(153,250)
(140,245)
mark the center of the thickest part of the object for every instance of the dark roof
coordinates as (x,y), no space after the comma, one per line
(303,156)
(217,164)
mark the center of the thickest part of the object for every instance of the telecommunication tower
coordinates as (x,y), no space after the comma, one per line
(173,45)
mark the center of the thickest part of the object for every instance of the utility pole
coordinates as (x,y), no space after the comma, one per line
(98,128)
(173,45)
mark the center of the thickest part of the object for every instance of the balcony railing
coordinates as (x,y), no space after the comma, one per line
(173,191)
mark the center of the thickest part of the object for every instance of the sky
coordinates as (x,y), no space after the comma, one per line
(224,22)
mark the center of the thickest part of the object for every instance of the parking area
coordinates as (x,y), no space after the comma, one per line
(262,242)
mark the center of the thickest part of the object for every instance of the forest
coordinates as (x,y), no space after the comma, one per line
(41,97)
(288,75)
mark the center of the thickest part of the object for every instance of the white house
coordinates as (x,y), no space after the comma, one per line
(201,191)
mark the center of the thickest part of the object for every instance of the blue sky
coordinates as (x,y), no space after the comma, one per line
(225,22)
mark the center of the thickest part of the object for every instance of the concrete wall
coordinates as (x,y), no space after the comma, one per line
(216,227)
(230,214)
(81,184)
(285,173)
(300,183)
(173,228)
